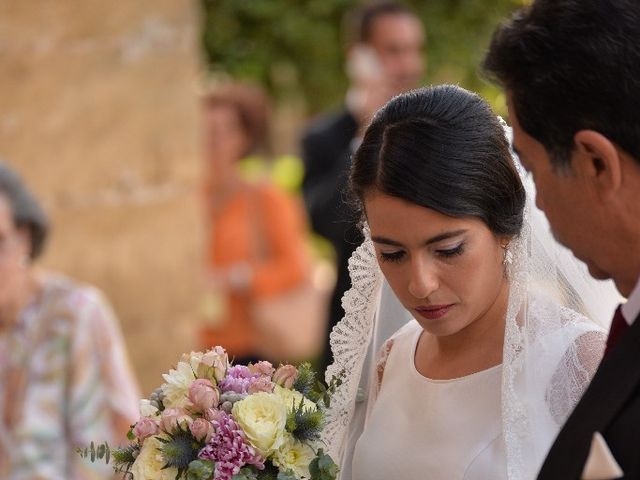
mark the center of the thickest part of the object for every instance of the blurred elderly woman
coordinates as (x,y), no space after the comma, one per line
(64,376)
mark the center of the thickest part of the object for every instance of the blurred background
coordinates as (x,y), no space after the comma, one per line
(99,112)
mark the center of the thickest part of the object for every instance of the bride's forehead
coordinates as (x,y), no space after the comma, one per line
(387,215)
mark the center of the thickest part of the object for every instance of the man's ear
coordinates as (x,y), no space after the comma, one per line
(598,160)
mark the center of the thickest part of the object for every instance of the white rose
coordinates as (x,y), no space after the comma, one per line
(294,455)
(149,463)
(263,417)
(292,398)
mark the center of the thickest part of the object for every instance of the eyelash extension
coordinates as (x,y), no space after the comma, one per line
(452,252)
(391,257)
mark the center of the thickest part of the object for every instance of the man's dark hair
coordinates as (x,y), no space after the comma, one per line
(359,23)
(571,65)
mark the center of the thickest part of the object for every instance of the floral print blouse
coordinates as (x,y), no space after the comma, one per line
(64,377)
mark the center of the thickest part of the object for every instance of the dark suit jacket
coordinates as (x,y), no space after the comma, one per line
(326,152)
(611,406)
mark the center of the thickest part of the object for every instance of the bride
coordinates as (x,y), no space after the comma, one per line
(496,346)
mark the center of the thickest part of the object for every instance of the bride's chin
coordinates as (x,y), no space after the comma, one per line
(442,327)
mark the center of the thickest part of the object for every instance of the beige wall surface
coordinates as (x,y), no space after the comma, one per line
(98,113)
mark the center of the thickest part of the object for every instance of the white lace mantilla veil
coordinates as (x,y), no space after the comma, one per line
(550,350)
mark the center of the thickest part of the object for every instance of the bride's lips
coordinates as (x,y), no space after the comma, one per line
(433,312)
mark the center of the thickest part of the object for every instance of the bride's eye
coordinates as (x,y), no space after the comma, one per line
(451,252)
(392,256)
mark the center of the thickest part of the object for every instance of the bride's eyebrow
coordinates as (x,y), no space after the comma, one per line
(436,239)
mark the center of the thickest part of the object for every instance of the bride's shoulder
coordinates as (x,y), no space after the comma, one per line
(404,335)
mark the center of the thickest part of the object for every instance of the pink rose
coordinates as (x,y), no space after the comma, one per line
(261,384)
(145,427)
(203,394)
(174,418)
(285,376)
(263,368)
(202,429)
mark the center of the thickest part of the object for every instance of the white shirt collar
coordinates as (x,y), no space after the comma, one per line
(631,309)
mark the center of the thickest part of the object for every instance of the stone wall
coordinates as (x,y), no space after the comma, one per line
(98,113)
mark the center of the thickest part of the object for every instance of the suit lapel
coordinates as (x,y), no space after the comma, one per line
(612,385)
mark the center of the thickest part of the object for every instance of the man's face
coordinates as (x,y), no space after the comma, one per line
(398,40)
(567,199)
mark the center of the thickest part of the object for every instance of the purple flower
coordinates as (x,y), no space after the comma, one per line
(229,449)
(239,378)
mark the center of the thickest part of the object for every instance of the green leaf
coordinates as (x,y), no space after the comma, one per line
(245,473)
(201,470)
(323,467)
(288,475)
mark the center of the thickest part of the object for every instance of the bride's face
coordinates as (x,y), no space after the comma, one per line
(446,271)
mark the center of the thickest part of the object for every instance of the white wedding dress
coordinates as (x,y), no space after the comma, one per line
(445,429)
(495,424)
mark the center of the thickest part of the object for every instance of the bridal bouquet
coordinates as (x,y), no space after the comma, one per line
(212,420)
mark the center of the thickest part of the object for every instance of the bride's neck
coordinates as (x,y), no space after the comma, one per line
(476,347)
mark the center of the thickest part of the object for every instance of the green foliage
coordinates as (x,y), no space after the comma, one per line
(201,470)
(291,46)
(246,473)
(125,456)
(294,47)
(96,452)
(122,458)
(323,467)
(326,392)
(306,381)
(305,424)
(288,475)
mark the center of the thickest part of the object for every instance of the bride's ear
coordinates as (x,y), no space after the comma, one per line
(507,255)
(598,160)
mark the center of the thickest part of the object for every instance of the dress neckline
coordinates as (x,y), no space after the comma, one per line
(414,370)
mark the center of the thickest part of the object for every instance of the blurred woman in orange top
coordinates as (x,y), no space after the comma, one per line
(255,244)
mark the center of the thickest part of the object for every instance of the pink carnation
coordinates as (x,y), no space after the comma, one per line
(229,449)
(238,379)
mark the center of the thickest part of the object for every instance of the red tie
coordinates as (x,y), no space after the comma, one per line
(618,326)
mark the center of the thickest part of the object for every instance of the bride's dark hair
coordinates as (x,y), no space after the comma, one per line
(442,148)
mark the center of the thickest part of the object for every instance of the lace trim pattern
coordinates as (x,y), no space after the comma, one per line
(350,340)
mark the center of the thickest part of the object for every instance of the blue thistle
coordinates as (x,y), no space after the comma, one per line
(179,450)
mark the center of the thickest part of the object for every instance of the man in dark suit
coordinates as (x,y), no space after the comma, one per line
(571,70)
(384,58)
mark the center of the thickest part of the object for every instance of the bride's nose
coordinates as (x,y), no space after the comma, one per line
(423,279)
